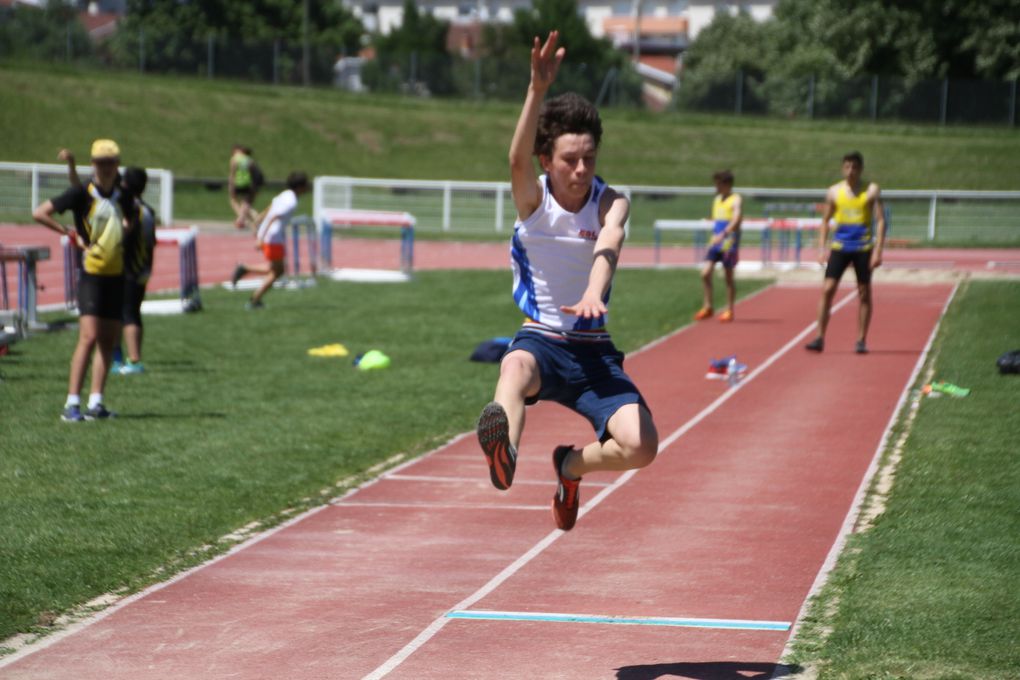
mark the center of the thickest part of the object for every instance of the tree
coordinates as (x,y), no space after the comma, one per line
(412,57)
(591,62)
(50,32)
(175,33)
(730,45)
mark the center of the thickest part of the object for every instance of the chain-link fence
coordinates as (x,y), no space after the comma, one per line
(946,101)
(291,62)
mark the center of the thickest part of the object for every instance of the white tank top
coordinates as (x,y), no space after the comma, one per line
(551,252)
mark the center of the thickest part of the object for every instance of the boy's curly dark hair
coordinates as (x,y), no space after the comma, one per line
(568,113)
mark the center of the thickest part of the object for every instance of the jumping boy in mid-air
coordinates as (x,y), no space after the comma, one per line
(727,215)
(272,236)
(565,248)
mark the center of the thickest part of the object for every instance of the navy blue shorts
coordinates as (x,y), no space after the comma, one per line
(586,377)
(728,257)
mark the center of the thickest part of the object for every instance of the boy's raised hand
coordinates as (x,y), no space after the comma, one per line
(545,61)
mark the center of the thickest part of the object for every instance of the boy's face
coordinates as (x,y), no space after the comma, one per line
(723,188)
(105,169)
(571,166)
(851,171)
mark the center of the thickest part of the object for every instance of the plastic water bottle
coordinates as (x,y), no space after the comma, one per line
(732,371)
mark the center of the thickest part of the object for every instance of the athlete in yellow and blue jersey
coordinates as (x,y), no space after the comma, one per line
(856,210)
(727,216)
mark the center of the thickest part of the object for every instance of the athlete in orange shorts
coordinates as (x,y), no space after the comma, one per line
(272,237)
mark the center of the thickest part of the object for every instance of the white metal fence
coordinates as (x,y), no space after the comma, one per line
(466,208)
(23,186)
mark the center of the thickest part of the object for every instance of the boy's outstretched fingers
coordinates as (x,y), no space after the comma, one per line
(546,59)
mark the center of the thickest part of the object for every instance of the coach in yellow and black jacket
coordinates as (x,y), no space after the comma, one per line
(101,212)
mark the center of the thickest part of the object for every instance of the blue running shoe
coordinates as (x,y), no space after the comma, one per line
(117,367)
(99,412)
(72,414)
(132,368)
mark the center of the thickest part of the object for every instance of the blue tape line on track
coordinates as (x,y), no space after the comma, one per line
(735,624)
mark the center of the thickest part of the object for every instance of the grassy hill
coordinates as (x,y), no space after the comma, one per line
(188,125)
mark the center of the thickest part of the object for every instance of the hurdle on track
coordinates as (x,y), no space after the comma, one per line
(783,227)
(338,218)
(186,241)
(26,258)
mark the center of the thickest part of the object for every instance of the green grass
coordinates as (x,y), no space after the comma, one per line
(931,590)
(187,125)
(233,422)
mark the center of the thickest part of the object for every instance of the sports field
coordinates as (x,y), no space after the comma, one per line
(235,430)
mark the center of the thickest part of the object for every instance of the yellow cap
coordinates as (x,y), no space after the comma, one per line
(105,148)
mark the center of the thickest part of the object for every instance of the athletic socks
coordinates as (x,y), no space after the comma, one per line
(72,400)
(563,470)
(95,399)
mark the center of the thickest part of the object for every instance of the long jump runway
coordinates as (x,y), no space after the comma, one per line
(695,567)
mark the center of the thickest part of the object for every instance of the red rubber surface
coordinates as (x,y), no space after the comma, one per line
(734,520)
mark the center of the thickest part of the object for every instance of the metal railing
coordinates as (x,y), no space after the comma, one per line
(23,186)
(467,208)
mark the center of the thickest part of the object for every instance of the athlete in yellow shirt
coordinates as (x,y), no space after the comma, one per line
(855,208)
(727,216)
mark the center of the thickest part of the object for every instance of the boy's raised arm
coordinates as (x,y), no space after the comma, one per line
(545,63)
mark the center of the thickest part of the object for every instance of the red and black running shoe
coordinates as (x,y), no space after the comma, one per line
(568,498)
(494,436)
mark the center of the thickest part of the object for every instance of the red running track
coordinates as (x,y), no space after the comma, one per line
(219,252)
(735,520)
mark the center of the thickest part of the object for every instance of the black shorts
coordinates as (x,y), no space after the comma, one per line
(134,294)
(101,296)
(840,260)
(244,194)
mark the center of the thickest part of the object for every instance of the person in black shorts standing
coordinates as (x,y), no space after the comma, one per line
(856,208)
(100,210)
(139,247)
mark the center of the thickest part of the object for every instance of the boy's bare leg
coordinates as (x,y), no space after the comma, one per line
(633,443)
(109,332)
(706,282)
(133,342)
(88,334)
(275,271)
(731,288)
(864,313)
(518,379)
(825,305)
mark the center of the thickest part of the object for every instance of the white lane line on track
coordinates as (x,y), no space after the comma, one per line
(478,480)
(430,631)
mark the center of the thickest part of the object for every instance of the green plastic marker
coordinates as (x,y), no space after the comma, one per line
(950,389)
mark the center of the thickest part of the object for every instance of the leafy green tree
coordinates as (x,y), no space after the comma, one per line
(413,57)
(51,32)
(591,63)
(173,35)
(729,46)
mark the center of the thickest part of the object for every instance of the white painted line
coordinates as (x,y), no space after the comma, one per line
(424,636)
(478,480)
(438,506)
(994,264)
(855,507)
(919,264)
